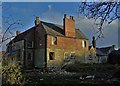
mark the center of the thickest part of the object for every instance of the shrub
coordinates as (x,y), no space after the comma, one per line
(12,74)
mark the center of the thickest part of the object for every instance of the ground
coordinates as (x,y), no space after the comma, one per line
(74,74)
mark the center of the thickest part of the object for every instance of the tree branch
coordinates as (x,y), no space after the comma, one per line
(100,11)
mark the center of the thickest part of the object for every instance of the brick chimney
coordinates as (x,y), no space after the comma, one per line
(94,42)
(69,26)
(37,21)
(17,33)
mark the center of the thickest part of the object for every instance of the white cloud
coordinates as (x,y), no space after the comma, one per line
(49,7)
(51,16)
(89,29)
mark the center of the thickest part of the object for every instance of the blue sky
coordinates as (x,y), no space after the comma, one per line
(53,12)
(27,11)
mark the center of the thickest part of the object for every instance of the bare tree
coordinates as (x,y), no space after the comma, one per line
(102,12)
(9,25)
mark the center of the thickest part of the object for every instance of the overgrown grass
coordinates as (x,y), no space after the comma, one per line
(102,73)
(12,74)
(52,79)
(78,67)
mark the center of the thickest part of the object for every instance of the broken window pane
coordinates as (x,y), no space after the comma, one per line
(52,56)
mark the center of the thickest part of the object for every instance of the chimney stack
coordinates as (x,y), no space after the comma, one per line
(94,42)
(37,21)
(69,26)
(17,33)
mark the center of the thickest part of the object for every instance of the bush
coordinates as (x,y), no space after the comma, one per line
(12,74)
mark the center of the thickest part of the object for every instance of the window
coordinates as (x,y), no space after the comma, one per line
(29,56)
(69,56)
(90,57)
(52,56)
(14,47)
(54,40)
(30,44)
(66,55)
(73,55)
(83,43)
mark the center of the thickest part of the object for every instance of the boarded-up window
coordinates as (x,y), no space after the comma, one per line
(83,43)
(54,40)
(52,56)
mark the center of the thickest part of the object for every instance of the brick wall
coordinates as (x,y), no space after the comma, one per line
(67,43)
(69,26)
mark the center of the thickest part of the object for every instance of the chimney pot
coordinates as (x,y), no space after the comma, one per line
(70,17)
(64,15)
(37,21)
(17,33)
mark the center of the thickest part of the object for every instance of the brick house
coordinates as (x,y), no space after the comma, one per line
(48,44)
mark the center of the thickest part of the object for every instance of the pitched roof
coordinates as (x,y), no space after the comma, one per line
(99,52)
(116,52)
(51,29)
(104,50)
(22,35)
(58,30)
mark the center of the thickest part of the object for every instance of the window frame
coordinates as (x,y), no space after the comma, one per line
(28,41)
(54,40)
(84,45)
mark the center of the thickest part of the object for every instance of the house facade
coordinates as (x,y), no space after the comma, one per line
(98,55)
(103,53)
(47,44)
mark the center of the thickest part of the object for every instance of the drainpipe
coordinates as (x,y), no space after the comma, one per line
(34,49)
(24,58)
(45,65)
